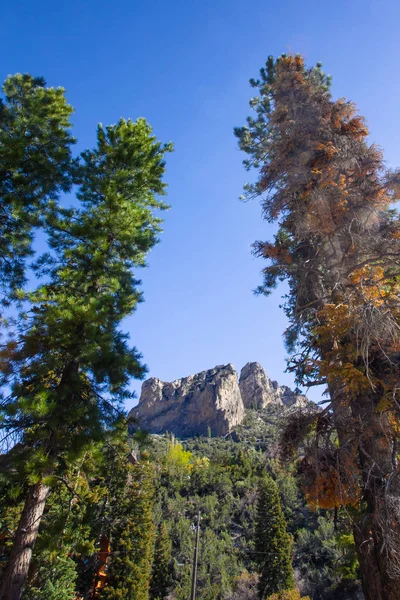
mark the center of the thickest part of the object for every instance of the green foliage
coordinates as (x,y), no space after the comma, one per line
(349,566)
(272,542)
(326,558)
(131,538)
(288,595)
(221,476)
(69,365)
(35,165)
(73,364)
(54,580)
(289,492)
(161,574)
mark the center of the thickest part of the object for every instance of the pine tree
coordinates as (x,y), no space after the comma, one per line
(63,558)
(161,575)
(70,370)
(337,246)
(35,165)
(273,544)
(131,538)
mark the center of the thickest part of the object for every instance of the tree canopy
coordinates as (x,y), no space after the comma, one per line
(68,364)
(35,166)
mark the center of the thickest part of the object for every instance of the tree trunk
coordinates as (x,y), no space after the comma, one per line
(21,554)
(378,531)
(367,435)
(18,564)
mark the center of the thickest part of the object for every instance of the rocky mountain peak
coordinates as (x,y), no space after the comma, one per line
(192,405)
(255,386)
(258,390)
(211,400)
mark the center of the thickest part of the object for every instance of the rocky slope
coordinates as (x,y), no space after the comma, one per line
(211,400)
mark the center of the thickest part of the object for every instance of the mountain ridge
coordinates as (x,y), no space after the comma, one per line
(213,400)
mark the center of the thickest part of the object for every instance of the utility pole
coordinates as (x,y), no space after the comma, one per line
(195,558)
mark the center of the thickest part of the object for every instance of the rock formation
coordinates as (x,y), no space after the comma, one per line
(212,400)
(255,387)
(258,390)
(192,405)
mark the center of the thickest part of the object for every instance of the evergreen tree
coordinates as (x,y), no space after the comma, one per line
(35,165)
(161,574)
(273,544)
(70,527)
(337,246)
(72,364)
(55,580)
(131,538)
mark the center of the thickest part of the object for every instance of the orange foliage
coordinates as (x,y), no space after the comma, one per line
(356,127)
(371,284)
(330,480)
(340,363)
(101,574)
(272,251)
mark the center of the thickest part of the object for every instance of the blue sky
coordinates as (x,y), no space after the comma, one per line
(185,66)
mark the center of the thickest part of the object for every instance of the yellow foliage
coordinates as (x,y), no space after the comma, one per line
(202,462)
(335,322)
(178,457)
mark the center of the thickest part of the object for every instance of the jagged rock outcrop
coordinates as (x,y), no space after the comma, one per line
(213,399)
(258,390)
(191,405)
(255,387)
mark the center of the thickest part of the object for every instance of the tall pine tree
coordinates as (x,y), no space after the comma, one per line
(337,246)
(70,370)
(273,544)
(161,574)
(131,537)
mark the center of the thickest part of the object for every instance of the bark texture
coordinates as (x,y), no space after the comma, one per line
(367,434)
(377,534)
(18,564)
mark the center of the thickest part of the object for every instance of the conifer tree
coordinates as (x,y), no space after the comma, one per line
(337,246)
(161,574)
(72,364)
(273,544)
(35,165)
(131,538)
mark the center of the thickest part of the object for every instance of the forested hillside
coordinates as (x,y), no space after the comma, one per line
(221,477)
(162,492)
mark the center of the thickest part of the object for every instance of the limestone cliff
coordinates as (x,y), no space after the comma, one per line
(258,390)
(190,406)
(213,399)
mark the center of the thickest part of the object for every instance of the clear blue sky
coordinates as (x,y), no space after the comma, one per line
(185,65)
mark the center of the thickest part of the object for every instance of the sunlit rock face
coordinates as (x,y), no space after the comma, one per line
(192,405)
(258,390)
(211,400)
